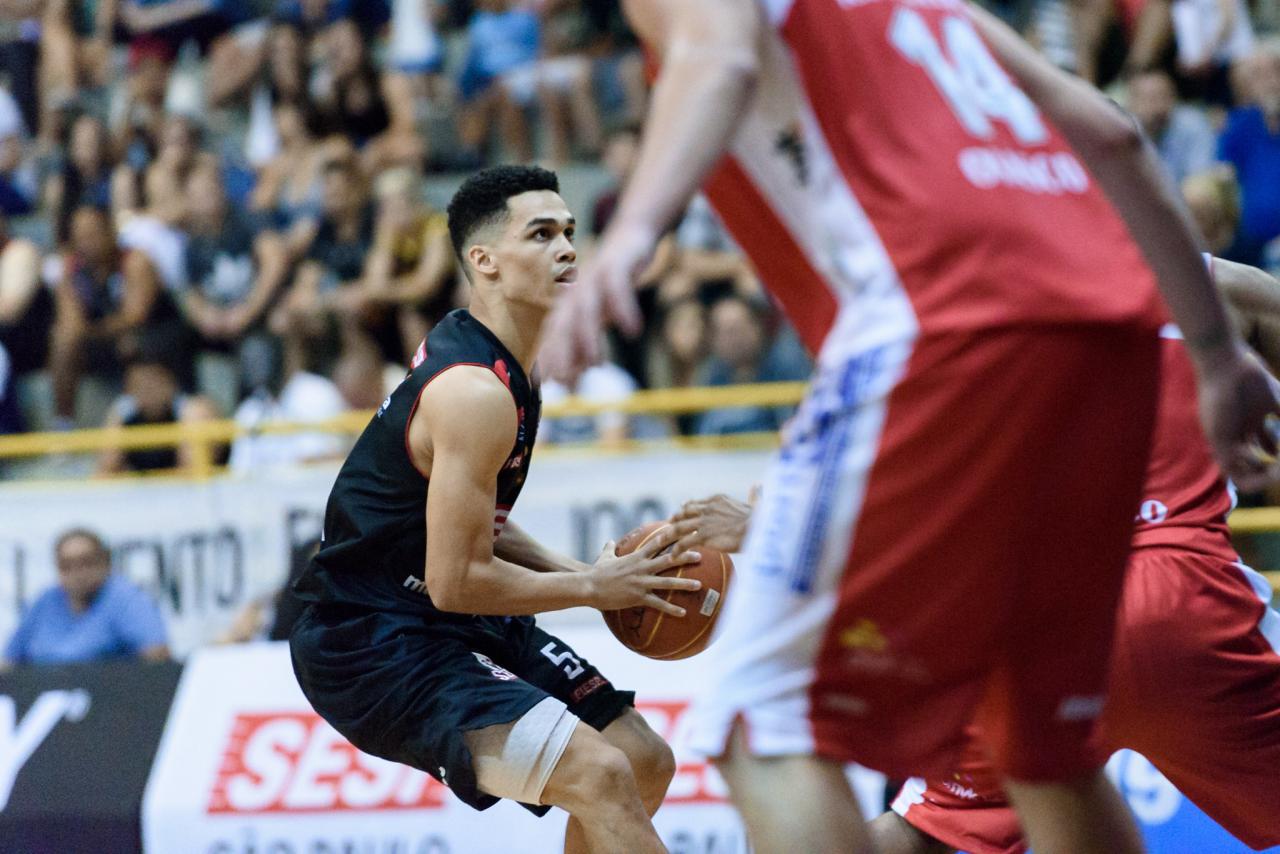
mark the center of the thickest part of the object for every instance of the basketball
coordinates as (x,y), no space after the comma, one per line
(660,636)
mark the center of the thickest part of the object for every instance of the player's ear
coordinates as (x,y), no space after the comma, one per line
(481,259)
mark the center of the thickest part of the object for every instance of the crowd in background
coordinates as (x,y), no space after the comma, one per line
(229,208)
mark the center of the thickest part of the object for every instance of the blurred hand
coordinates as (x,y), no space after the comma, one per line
(604,294)
(1238,402)
(718,522)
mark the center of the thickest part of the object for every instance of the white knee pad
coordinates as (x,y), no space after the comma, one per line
(515,762)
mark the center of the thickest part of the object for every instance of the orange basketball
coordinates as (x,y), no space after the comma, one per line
(657,635)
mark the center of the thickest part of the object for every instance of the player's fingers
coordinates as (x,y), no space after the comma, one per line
(610,549)
(670,582)
(660,604)
(690,509)
(661,540)
(620,301)
(681,558)
(682,528)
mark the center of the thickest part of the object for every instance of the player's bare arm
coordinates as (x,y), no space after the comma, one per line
(515,544)
(1235,392)
(1253,296)
(464,430)
(709,54)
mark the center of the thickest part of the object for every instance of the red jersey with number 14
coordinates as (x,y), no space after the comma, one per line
(889,179)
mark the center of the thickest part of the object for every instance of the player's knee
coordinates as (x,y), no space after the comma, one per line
(591,776)
(654,766)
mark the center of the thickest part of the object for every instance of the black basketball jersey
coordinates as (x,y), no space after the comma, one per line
(375,529)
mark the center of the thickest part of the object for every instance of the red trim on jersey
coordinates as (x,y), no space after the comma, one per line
(418,400)
(805,295)
(500,368)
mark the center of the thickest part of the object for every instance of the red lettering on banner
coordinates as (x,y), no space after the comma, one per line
(294,762)
(695,782)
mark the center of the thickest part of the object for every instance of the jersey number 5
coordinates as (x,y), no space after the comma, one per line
(970,79)
(566,660)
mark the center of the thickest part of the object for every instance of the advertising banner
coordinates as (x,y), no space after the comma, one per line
(205,550)
(76,748)
(247,766)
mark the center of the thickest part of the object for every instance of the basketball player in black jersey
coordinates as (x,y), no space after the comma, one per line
(442,667)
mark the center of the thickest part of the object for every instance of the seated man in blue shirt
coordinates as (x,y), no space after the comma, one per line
(92,614)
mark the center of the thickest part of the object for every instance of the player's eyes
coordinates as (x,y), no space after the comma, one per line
(570,234)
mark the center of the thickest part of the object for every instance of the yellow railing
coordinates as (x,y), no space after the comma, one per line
(203,437)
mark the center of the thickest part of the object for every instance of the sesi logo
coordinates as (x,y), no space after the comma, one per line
(294,762)
(20,738)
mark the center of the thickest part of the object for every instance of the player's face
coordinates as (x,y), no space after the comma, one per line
(535,254)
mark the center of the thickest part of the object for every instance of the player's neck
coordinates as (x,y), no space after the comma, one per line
(518,326)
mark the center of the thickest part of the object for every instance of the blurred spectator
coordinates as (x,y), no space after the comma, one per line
(680,347)
(17,181)
(152,396)
(1251,144)
(409,274)
(84,177)
(503,37)
(20,55)
(26,308)
(103,300)
(289,191)
(93,613)
(1211,35)
(619,159)
(563,83)
(10,415)
(1214,202)
(351,102)
(137,110)
(602,383)
(334,260)
(741,353)
(1182,135)
(233,274)
(299,396)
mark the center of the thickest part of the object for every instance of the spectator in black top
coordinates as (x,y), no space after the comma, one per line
(351,100)
(152,396)
(233,273)
(26,308)
(85,176)
(334,259)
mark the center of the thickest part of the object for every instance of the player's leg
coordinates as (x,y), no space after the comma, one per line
(893,834)
(1082,816)
(1040,713)
(550,757)
(793,803)
(652,763)
(555,667)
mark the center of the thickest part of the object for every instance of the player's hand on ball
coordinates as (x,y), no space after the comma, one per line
(1239,404)
(719,522)
(629,581)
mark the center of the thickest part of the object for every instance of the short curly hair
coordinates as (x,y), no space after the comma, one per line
(482,198)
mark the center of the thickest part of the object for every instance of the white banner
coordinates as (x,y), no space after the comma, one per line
(207,549)
(245,766)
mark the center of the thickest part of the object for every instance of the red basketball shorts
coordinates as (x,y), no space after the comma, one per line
(941,540)
(1195,688)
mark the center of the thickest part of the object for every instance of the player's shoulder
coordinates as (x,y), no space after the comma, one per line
(469,402)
